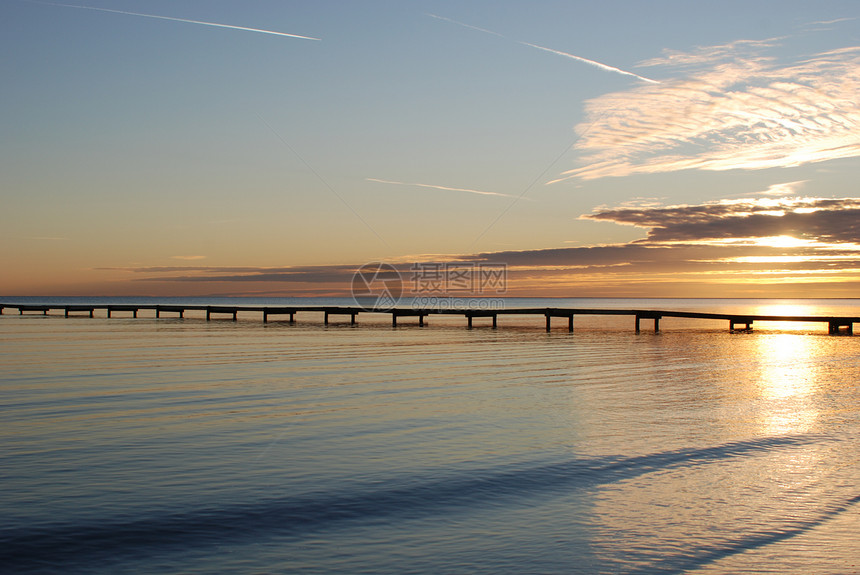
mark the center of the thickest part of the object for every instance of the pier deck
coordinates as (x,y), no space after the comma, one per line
(836,324)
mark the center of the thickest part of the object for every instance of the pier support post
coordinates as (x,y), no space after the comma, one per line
(325,319)
(134,314)
(91,312)
(66,310)
(495,321)
(570,323)
(235,315)
(420,320)
(656,319)
(352,318)
(835,328)
(208,314)
(157,312)
(293,318)
(265,316)
(108,313)
(393,319)
(548,322)
(469,321)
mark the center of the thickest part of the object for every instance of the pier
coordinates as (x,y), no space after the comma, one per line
(836,325)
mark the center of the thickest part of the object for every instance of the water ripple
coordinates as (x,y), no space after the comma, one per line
(406,498)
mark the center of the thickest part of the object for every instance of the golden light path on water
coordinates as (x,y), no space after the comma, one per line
(788,374)
(787,383)
(778,511)
(790,382)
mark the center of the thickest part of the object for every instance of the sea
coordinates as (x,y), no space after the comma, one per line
(168,445)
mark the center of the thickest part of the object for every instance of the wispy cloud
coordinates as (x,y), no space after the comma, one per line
(298,275)
(188,258)
(825,25)
(705,56)
(158,17)
(594,63)
(436,187)
(784,189)
(735,108)
(834,21)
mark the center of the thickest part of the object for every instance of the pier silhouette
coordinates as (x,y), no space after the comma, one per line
(737,322)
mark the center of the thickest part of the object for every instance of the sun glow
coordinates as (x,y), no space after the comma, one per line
(787,259)
(784,242)
(786,309)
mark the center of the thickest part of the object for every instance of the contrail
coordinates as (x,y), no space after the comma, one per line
(560,53)
(446,188)
(484,30)
(215,24)
(591,62)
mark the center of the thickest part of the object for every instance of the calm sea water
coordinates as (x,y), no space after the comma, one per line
(186,446)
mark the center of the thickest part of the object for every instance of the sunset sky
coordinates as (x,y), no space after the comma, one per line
(262,147)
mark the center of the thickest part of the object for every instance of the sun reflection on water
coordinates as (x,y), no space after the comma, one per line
(787,383)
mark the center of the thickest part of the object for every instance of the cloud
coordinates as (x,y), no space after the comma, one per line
(784,189)
(825,25)
(594,63)
(734,107)
(435,187)
(834,21)
(214,24)
(242,274)
(708,56)
(762,246)
(821,221)
(188,257)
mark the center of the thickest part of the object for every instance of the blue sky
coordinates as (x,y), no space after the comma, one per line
(137,147)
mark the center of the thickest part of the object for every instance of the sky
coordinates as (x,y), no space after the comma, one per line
(268,148)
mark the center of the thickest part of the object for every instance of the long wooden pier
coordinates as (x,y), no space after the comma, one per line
(737,322)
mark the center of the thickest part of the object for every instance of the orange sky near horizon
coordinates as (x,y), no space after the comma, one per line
(632,150)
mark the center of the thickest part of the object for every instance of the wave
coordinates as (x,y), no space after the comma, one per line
(403,498)
(706,554)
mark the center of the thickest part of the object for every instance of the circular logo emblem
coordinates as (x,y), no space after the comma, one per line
(377,286)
